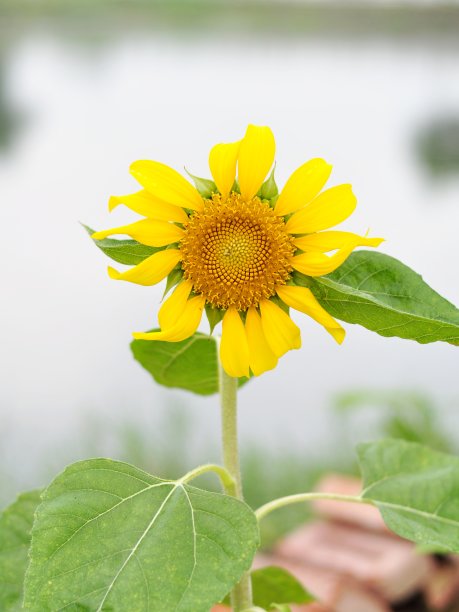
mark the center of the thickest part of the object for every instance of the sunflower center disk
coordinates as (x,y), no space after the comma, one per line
(236,252)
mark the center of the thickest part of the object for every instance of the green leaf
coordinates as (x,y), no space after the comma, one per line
(15,526)
(214,316)
(190,364)
(275,586)
(282,305)
(385,296)
(127,252)
(112,537)
(416,490)
(173,279)
(269,188)
(206,187)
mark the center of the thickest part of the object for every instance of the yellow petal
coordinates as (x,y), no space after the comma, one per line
(261,357)
(148,231)
(234,349)
(143,203)
(222,163)
(330,241)
(151,270)
(303,185)
(280,331)
(318,264)
(256,156)
(184,327)
(173,307)
(328,209)
(302,299)
(166,184)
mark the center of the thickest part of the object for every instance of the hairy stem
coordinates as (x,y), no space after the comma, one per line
(304,497)
(241,595)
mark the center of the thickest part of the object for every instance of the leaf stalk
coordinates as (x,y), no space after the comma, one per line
(275,504)
(227,481)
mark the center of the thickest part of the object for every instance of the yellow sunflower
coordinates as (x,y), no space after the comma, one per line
(235,251)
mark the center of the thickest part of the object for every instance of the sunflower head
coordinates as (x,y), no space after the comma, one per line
(234,247)
(236,252)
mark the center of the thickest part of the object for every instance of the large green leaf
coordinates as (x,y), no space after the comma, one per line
(385,296)
(416,489)
(127,252)
(190,364)
(112,537)
(15,526)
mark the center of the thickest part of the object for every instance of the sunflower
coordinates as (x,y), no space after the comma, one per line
(234,247)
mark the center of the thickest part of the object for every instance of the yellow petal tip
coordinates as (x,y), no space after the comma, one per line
(113,273)
(338,334)
(113,202)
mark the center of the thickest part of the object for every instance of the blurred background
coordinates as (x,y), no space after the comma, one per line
(86,87)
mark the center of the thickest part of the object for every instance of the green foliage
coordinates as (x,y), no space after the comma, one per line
(110,536)
(385,296)
(276,586)
(438,145)
(15,526)
(127,252)
(173,279)
(191,364)
(206,187)
(269,188)
(214,316)
(407,415)
(416,490)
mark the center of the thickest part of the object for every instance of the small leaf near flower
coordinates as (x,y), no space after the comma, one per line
(214,316)
(190,364)
(269,188)
(205,187)
(127,252)
(173,279)
(384,295)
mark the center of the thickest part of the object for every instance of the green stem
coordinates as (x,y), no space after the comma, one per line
(225,477)
(241,595)
(304,497)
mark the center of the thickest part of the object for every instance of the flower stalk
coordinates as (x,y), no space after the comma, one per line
(241,595)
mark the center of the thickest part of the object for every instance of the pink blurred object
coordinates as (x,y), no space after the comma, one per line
(390,566)
(442,587)
(335,591)
(314,607)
